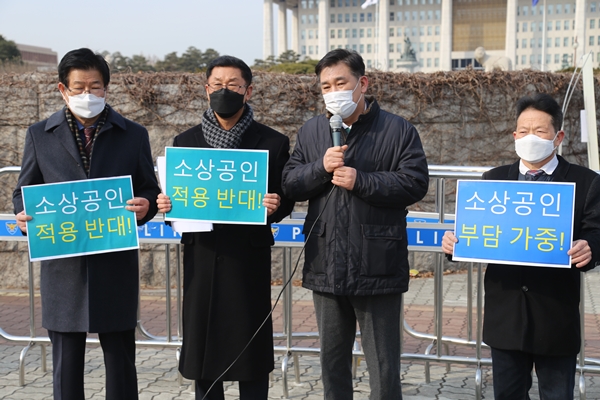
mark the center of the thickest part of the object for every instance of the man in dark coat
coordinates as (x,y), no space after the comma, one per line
(96,293)
(532,313)
(227,271)
(356,247)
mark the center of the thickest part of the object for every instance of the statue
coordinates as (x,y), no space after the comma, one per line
(409,53)
(492,63)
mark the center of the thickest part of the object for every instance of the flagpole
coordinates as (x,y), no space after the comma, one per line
(544,38)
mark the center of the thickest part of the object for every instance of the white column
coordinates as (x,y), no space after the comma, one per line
(579,34)
(446,36)
(267,28)
(382,39)
(295,27)
(282,28)
(323,28)
(510,45)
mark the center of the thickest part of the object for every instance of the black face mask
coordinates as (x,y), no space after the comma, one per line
(225,103)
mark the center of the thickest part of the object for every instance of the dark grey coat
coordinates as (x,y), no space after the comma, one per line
(358,246)
(97,293)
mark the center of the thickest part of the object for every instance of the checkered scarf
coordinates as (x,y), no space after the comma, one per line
(218,137)
(73,125)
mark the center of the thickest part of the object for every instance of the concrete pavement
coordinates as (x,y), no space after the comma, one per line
(157,366)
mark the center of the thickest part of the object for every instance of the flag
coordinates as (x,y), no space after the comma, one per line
(534,3)
(368,3)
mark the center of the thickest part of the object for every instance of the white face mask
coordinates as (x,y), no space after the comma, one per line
(340,102)
(533,149)
(86,105)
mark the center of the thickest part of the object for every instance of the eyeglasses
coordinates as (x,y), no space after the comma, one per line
(95,91)
(231,86)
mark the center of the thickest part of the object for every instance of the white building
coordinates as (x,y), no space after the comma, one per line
(443,33)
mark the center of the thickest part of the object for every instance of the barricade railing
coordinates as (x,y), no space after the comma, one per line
(425,231)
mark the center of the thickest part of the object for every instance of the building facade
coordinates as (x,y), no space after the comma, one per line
(443,33)
(41,57)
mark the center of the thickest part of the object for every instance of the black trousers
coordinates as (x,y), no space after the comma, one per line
(68,358)
(249,390)
(512,369)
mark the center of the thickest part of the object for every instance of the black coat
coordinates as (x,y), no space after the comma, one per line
(96,293)
(358,246)
(227,279)
(536,309)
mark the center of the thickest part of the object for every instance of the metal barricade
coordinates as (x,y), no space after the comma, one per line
(434,223)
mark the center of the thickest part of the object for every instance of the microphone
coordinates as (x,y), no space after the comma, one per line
(335,122)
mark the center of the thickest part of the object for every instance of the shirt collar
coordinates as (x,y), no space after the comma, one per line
(80,125)
(548,168)
(348,127)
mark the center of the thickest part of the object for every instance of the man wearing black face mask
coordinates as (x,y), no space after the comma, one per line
(227,272)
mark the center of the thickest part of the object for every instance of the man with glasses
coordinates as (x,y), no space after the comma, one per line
(227,271)
(94,293)
(356,259)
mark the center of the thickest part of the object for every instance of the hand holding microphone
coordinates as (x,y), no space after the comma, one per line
(334,156)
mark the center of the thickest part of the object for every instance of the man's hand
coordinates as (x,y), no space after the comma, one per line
(448,242)
(164,203)
(334,158)
(344,177)
(22,221)
(139,205)
(271,201)
(581,253)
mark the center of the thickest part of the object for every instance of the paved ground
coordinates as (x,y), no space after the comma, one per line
(157,366)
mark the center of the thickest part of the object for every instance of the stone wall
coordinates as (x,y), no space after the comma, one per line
(464,118)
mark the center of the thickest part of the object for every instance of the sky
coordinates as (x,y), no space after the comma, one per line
(149,27)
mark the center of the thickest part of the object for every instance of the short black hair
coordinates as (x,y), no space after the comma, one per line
(545,103)
(349,57)
(83,59)
(230,61)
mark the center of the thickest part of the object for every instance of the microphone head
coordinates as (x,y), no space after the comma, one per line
(335,122)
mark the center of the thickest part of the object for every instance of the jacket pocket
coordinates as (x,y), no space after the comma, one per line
(383,250)
(316,244)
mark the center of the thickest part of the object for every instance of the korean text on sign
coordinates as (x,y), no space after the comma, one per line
(514,222)
(217,185)
(79,217)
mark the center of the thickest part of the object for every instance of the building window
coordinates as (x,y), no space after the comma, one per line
(347,18)
(414,15)
(354,47)
(362,48)
(369,47)
(428,46)
(517,45)
(567,25)
(557,58)
(391,48)
(421,31)
(332,35)
(420,47)
(437,30)
(592,23)
(567,8)
(422,15)
(340,3)
(429,31)
(524,26)
(347,3)
(531,59)
(347,33)
(532,43)
(392,16)
(436,62)
(524,43)
(331,3)
(437,14)
(399,47)
(557,42)
(303,34)
(310,33)
(593,6)
(550,9)
(591,40)
(429,15)
(310,50)
(332,47)
(399,31)
(436,46)
(391,32)
(369,32)
(540,43)
(332,20)
(558,8)
(523,60)
(311,3)
(354,33)
(304,3)
(362,17)
(566,42)
(354,3)
(558,25)
(548,42)
(414,31)
(525,10)
(303,19)
(369,17)
(311,19)
(369,63)
(549,26)
(355,17)
(517,27)
(340,18)
(303,50)
(429,62)
(362,33)
(391,62)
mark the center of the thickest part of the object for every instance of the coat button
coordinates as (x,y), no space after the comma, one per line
(525,288)
(338,286)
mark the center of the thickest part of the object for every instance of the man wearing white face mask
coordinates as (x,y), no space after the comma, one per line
(356,254)
(532,313)
(94,293)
